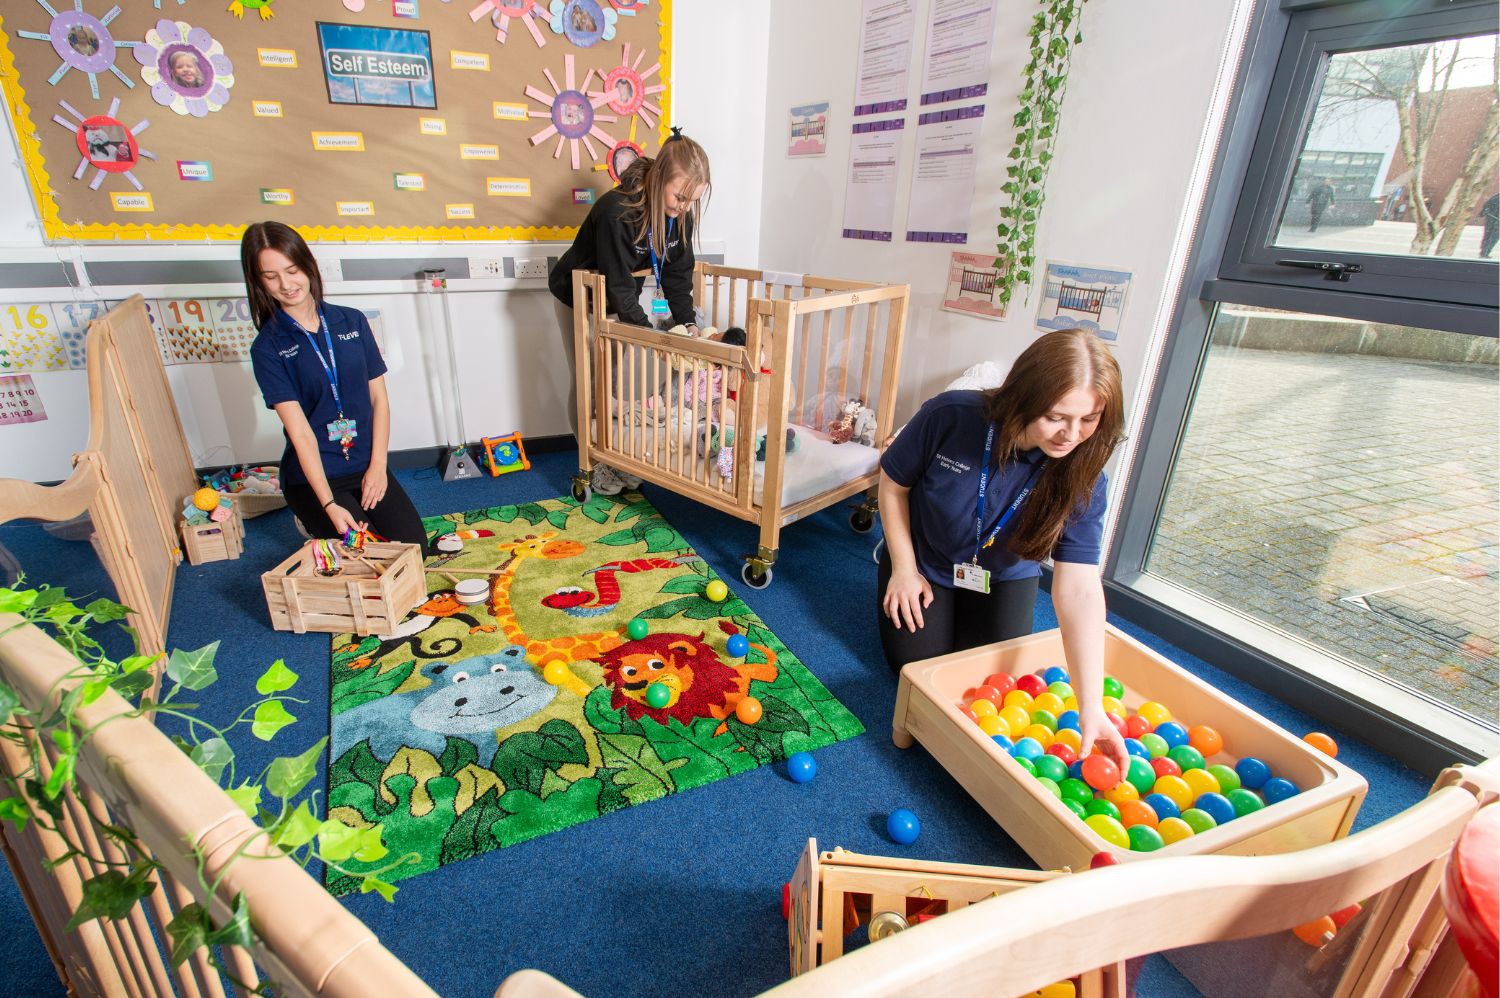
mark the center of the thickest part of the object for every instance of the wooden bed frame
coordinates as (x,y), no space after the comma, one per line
(132,475)
(818,336)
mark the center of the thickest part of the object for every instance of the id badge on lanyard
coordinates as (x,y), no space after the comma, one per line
(968,574)
(659,304)
(342,429)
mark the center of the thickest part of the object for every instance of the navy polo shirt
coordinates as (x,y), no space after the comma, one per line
(937,456)
(287,371)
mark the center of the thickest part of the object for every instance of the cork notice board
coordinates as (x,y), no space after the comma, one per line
(362,119)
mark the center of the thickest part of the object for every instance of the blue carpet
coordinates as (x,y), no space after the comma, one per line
(679,896)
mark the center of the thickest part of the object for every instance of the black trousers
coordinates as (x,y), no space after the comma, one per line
(957,618)
(393,518)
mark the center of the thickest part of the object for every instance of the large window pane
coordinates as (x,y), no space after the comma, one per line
(1400,156)
(1337,482)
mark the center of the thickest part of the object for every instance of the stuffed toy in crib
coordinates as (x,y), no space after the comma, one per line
(720,433)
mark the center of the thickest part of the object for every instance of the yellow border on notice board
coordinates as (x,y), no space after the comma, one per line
(53,227)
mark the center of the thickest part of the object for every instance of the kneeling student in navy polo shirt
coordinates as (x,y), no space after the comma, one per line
(319,368)
(979,488)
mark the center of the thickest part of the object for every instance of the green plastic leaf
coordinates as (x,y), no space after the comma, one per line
(131,685)
(135,663)
(246,797)
(10,700)
(270,717)
(14,810)
(106,610)
(62,776)
(188,931)
(49,596)
(368,847)
(213,757)
(337,841)
(94,689)
(297,829)
(193,670)
(111,895)
(385,890)
(12,601)
(237,931)
(275,679)
(289,774)
(64,612)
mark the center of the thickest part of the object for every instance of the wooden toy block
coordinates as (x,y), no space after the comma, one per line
(834,893)
(213,541)
(927,710)
(373,591)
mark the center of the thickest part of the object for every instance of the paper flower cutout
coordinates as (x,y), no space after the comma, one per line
(572,114)
(584,22)
(83,42)
(501,11)
(627,90)
(185,67)
(104,142)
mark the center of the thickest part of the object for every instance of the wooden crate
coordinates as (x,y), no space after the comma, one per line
(833,893)
(372,593)
(203,542)
(927,710)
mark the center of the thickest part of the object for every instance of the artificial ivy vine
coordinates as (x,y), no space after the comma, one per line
(1055,32)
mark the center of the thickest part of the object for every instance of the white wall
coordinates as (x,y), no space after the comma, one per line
(512,375)
(1134,112)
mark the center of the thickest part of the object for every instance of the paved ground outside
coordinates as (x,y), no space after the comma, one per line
(1391,238)
(1351,501)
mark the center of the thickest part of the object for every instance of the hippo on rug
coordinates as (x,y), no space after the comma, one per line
(470,699)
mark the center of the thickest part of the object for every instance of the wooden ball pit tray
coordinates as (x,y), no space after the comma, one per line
(927,711)
(372,593)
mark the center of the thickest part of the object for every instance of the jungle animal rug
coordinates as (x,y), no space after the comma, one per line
(594,674)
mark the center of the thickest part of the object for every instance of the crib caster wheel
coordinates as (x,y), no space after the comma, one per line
(755,578)
(862,520)
(581,492)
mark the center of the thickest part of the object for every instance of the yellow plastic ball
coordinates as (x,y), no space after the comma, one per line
(1070,703)
(1109,830)
(1176,789)
(994,724)
(1018,698)
(1040,732)
(983,709)
(1049,702)
(206,499)
(1174,830)
(716,591)
(1062,989)
(1070,738)
(1122,792)
(1017,718)
(1200,782)
(555,672)
(1113,706)
(1154,713)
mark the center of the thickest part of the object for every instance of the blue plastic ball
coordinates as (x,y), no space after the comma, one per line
(1027,748)
(903,827)
(1136,748)
(1217,806)
(1005,743)
(1277,789)
(1075,770)
(737,645)
(1056,674)
(1172,733)
(1253,773)
(801,767)
(1068,719)
(1164,806)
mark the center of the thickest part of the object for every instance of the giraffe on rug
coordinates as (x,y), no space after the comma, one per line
(540,651)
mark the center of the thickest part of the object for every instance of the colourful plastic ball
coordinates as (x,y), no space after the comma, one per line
(206,499)
(969,713)
(983,708)
(984,691)
(1206,740)
(1117,721)
(1217,806)
(658,696)
(801,767)
(1062,690)
(1109,830)
(1122,792)
(1056,674)
(1187,757)
(1156,713)
(1164,806)
(1175,789)
(1174,830)
(1137,748)
(1137,812)
(1068,720)
(1017,718)
(1317,932)
(1067,736)
(1112,706)
(1165,767)
(1019,698)
(1253,772)
(1322,743)
(1198,820)
(1141,775)
(903,827)
(1100,772)
(1172,733)
(1039,733)
(1228,778)
(993,724)
(1004,742)
(1023,762)
(716,591)
(1031,683)
(1113,687)
(1051,767)
(1103,859)
(748,710)
(1047,702)
(1077,790)
(1100,806)
(1028,748)
(738,645)
(1156,746)
(1050,785)
(1074,806)
(1002,681)
(1144,838)
(1064,752)
(637,629)
(1245,801)
(1201,782)
(1136,725)
(1075,770)
(1278,789)
(1045,718)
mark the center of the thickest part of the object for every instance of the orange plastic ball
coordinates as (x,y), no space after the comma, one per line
(1137,812)
(1317,932)
(1122,792)
(1322,743)
(748,710)
(1205,740)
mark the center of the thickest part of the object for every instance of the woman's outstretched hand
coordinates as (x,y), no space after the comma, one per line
(905,596)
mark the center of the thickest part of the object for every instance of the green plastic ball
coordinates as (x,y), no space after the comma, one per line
(1050,786)
(1155,744)
(1199,820)
(1141,775)
(1077,790)
(1061,690)
(1026,763)
(1144,838)
(658,696)
(637,629)
(1045,718)
(1113,687)
(1075,807)
(1227,777)
(1102,806)
(1186,757)
(1245,801)
(1051,767)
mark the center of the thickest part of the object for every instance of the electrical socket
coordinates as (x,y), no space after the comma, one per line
(486,268)
(532,269)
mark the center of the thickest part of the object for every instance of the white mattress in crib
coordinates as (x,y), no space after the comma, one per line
(817,465)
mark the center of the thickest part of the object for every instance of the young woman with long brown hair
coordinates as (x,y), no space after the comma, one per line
(979,488)
(648,221)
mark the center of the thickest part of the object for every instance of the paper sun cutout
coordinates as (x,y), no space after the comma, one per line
(185,67)
(104,142)
(501,12)
(572,114)
(627,91)
(584,22)
(84,43)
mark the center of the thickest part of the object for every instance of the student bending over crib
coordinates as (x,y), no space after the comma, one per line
(979,488)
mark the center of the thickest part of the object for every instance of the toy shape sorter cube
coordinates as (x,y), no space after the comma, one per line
(364,592)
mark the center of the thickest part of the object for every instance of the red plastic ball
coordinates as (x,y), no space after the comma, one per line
(966,712)
(1342,917)
(1100,772)
(1031,683)
(1165,767)
(988,692)
(1136,725)
(786,901)
(1063,751)
(1103,859)
(1002,681)
(1119,723)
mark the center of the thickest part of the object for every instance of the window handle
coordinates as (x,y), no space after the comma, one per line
(1331,270)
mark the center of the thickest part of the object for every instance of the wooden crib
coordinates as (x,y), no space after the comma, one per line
(658,405)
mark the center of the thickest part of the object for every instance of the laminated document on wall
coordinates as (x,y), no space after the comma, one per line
(942,185)
(884,56)
(957,62)
(870,190)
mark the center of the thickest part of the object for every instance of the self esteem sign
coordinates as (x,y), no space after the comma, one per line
(378,65)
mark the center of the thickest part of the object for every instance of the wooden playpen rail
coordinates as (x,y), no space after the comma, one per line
(132,475)
(131,774)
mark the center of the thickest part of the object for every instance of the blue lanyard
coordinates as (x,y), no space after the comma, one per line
(651,245)
(333,370)
(980,541)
